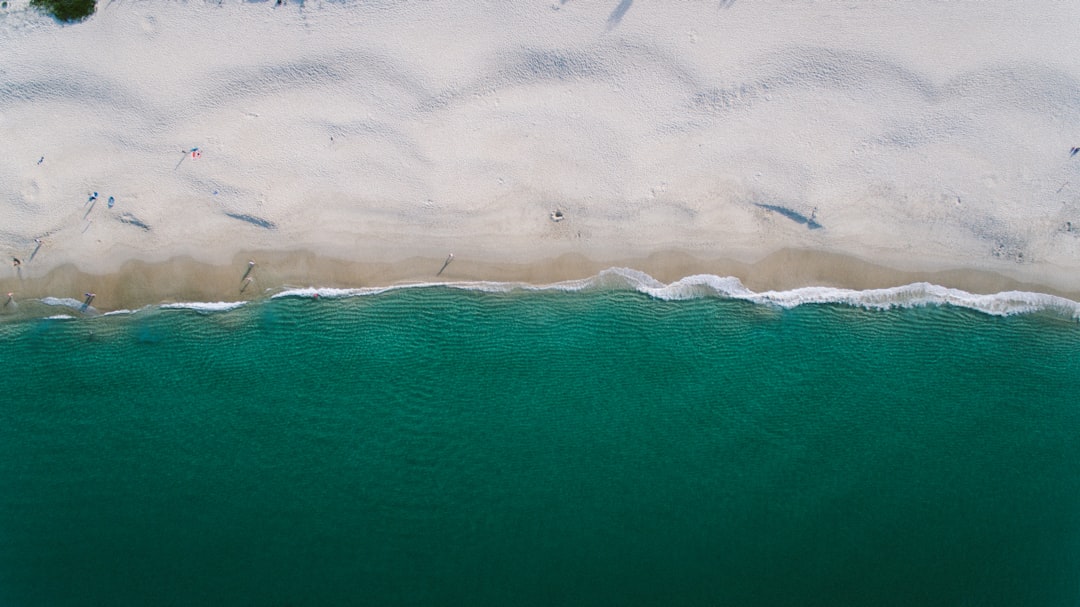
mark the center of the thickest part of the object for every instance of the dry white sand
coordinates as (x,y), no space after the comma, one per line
(920,136)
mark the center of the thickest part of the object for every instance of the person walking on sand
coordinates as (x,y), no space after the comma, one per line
(15,262)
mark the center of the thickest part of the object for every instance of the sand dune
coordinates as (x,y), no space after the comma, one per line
(921,136)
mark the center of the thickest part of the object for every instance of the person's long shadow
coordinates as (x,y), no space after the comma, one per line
(36,249)
(616,15)
(445,263)
(92,203)
(793,215)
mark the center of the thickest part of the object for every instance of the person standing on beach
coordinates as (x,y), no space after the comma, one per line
(251,266)
(449,258)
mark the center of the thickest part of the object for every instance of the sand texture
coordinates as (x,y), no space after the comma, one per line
(849,143)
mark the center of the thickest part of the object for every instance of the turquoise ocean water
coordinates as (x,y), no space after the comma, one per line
(600,446)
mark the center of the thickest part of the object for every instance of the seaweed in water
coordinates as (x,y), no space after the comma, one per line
(133,220)
(255,221)
(793,215)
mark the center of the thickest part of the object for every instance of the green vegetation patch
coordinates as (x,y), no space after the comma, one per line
(66,10)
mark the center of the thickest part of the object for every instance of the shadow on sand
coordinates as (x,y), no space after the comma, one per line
(255,221)
(795,216)
(616,15)
(130,219)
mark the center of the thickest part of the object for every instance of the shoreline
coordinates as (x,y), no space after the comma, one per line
(185,280)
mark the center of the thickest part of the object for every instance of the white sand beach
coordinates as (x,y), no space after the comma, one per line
(843,143)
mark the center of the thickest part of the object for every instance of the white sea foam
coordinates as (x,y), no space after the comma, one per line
(698,286)
(728,287)
(330,293)
(204,306)
(916,294)
(122,312)
(66,302)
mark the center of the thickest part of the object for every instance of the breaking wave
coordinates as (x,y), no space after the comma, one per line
(728,287)
(698,286)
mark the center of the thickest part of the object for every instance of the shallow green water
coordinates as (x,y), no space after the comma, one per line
(439,446)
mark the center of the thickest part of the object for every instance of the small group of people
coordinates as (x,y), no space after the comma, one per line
(94,196)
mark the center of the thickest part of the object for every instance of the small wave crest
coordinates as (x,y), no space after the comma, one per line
(123,312)
(204,306)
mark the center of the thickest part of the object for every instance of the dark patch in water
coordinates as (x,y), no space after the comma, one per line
(255,221)
(148,335)
(793,215)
